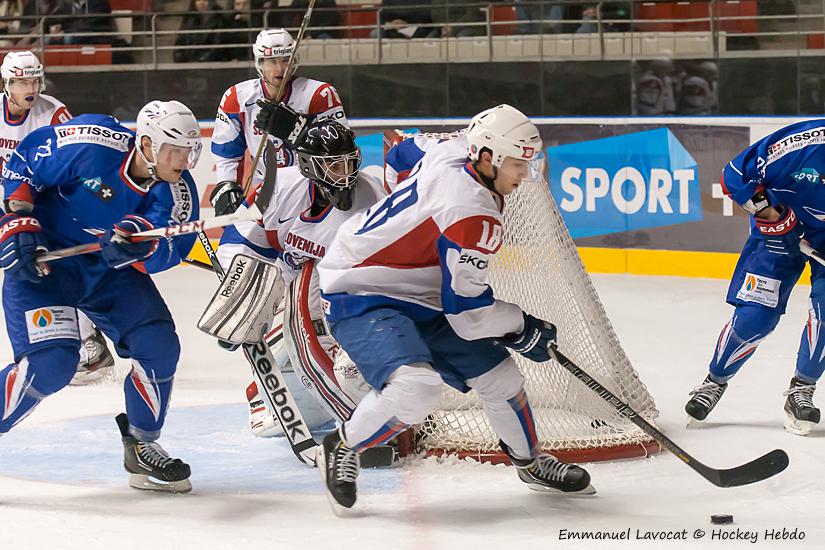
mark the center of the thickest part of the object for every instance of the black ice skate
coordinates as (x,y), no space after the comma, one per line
(339,466)
(95,360)
(801,414)
(546,473)
(703,399)
(149,466)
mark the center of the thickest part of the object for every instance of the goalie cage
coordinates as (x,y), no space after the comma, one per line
(538,267)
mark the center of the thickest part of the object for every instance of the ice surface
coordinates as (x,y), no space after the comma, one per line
(62,486)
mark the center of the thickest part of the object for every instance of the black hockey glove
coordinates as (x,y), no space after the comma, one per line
(282,122)
(226,197)
(534,340)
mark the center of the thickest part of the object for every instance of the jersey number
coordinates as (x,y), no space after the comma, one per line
(490,240)
(332,97)
(394,204)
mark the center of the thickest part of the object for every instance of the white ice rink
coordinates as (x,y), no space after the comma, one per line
(62,483)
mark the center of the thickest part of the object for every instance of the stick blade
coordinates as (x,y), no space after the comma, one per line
(767,465)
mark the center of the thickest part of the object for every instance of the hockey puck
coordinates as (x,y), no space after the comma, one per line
(721,519)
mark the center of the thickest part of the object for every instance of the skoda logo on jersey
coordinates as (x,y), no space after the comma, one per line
(96,186)
(625,183)
(42,318)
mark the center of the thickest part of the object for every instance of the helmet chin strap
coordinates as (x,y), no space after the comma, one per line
(489,183)
(150,166)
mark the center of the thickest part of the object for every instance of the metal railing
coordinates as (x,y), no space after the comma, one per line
(151,39)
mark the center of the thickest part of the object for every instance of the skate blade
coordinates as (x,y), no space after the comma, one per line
(337,509)
(586,492)
(146,483)
(693,422)
(796,426)
(86,378)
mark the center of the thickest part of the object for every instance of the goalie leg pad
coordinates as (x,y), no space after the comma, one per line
(244,304)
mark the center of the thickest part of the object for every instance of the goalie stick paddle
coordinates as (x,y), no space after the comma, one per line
(765,466)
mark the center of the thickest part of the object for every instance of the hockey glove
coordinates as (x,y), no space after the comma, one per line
(20,243)
(532,342)
(783,235)
(117,248)
(226,197)
(282,122)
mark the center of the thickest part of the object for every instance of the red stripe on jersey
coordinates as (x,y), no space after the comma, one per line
(229,102)
(415,249)
(61,115)
(324,99)
(482,233)
(272,239)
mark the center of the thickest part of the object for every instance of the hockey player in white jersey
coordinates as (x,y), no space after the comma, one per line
(404,288)
(309,202)
(235,135)
(26,108)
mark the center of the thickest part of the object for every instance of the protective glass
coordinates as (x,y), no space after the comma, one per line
(524,170)
(177,157)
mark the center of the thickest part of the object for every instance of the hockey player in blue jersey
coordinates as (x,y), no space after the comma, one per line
(780,181)
(93,180)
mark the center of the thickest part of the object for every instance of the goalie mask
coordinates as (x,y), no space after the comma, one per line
(330,158)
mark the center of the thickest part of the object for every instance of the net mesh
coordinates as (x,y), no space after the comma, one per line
(538,267)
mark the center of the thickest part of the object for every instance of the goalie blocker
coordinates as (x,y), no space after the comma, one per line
(245,303)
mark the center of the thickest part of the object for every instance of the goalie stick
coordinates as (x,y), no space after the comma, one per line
(765,466)
(270,381)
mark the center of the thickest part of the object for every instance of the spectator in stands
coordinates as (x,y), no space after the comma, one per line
(455,20)
(324,15)
(400,20)
(239,19)
(63,32)
(590,15)
(554,13)
(655,93)
(697,95)
(31,24)
(207,23)
(10,11)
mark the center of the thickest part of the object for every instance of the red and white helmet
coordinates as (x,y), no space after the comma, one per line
(272,43)
(168,123)
(22,65)
(505,132)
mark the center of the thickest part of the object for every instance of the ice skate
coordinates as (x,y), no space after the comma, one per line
(96,361)
(339,466)
(149,465)
(546,473)
(703,399)
(801,414)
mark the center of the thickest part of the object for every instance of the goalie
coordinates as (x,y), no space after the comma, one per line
(310,201)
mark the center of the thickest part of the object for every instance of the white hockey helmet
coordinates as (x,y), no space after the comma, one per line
(22,65)
(168,123)
(505,132)
(273,43)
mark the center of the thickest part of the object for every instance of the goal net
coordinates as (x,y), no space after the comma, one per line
(538,267)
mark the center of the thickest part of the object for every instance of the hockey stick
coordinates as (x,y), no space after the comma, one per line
(268,376)
(253,213)
(809,251)
(277,99)
(765,466)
